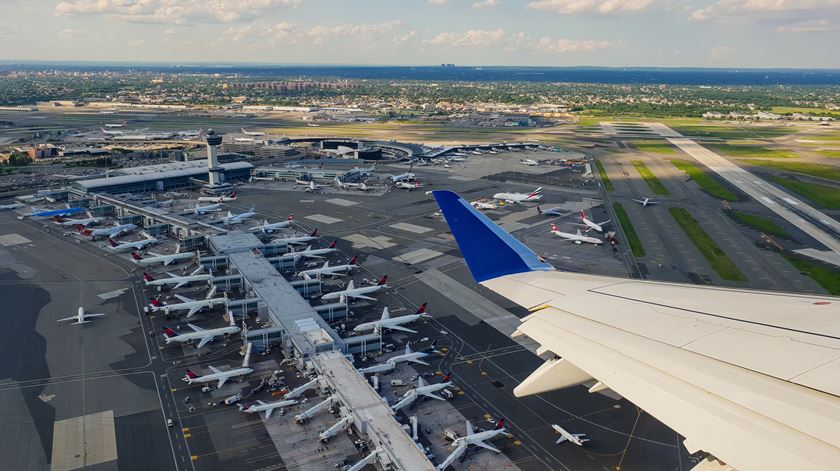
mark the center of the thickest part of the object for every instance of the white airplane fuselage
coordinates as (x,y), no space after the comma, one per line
(136,245)
(164,259)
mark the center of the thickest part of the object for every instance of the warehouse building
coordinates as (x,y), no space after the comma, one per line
(162,177)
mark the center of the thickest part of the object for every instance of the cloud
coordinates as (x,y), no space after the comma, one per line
(571,45)
(721,53)
(780,9)
(358,35)
(173,11)
(69,33)
(809,26)
(567,7)
(516,42)
(487,4)
(438,2)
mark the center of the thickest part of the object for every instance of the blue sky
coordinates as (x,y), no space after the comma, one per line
(704,33)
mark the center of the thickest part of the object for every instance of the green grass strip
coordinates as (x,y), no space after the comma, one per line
(827,277)
(629,231)
(706,182)
(830,172)
(760,223)
(823,195)
(605,180)
(655,185)
(655,147)
(716,257)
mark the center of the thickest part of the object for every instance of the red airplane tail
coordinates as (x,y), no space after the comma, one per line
(446,377)
(155,302)
(539,211)
(232,195)
(191,375)
(168,333)
(136,256)
(314,233)
(500,424)
(291,217)
(553,227)
(59,219)
(148,277)
(421,309)
(112,242)
(353,261)
(383,280)
(332,245)
(582,216)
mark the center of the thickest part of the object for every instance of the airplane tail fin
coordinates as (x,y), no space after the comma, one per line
(314,233)
(421,309)
(155,302)
(539,211)
(233,195)
(112,242)
(582,215)
(353,261)
(291,217)
(432,347)
(148,277)
(500,424)
(386,314)
(382,281)
(59,219)
(554,227)
(446,377)
(191,375)
(332,245)
(168,333)
(489,251)
(136,256)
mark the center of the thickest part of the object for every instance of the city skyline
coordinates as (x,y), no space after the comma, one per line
(639,33)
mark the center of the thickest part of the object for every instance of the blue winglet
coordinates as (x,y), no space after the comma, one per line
(490,252)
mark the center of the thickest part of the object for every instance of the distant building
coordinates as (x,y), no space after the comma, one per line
(42,151)
(161,177)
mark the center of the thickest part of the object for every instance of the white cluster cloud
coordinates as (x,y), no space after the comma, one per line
(173,11)
(516,41)
(486,3)
(808,26)
(772,8)
(359,35)
(567,7)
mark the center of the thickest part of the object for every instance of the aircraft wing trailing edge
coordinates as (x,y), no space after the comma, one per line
(750,377)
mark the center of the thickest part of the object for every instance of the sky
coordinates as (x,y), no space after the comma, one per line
(619,33)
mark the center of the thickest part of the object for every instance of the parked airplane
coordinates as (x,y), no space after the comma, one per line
(118,246)
(709,329)
(237,218)
(218,199)
(404,176)
(109,232)
(529,162)
(81,317)
(422,390)
(408,185)
(577,238)
(592,225)
(119,125)
(192,306)
(268,407)
(43,213)
(222,376)
(483,204)
(550,212)
(294,240)
(534,196)
(414,357)
(646,201)
(357,293)
(309,252)
(393,323)
(471,438)
(204,336)
(165,260)
(349,186)
(252,133)
(577,438)
(178,281)
(5,207)
(78,222)
(267,228)
(312,187)
(202,210)
(326,269)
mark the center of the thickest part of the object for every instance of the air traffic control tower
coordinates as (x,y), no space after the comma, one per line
(215,172)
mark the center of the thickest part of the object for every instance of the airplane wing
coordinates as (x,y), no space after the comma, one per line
(180,284)
(195,327)
(221,382)
(311,256)
(561,439)
(155,254)
(486,446)
(193,310)
(214,369)
(74,318)
(205,341)
(421,362)
(172,275)
(397,327)
(268,413)
(184,299)
(360,296)
(433,396)
(748,376)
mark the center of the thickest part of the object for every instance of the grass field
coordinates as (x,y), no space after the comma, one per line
(707,246)
(823,195)
(605,179)
(759,223)
(629,231)
(812,111)
(655,185)
(817,170)
(828,278)
(751,151)
(735,131)
(706,181)
(655,147)
(829,154)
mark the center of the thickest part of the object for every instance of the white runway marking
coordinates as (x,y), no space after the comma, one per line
(361,241)
(341,202)
(417,256)
(404,226)
(112,294)
(323,219)
(790,201)
(7,240)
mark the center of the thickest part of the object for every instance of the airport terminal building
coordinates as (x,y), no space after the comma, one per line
(162,177)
